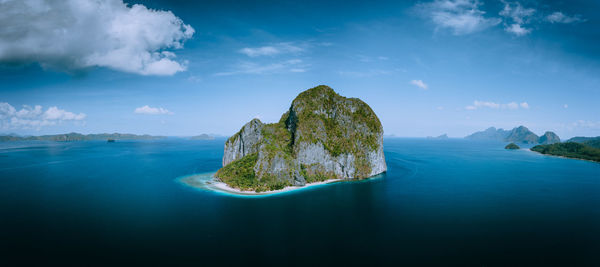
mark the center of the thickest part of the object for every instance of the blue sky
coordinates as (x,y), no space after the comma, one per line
(177,68)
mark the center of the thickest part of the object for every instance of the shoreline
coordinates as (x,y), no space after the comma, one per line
(226,188)
(206,181)
(558,156)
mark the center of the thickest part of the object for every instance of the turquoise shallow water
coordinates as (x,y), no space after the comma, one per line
(442,202)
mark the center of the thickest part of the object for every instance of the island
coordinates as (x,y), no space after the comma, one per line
(590,141)
(323,137)
(71,137)
(512,146)
(570,150)
(202,137)
(441,137)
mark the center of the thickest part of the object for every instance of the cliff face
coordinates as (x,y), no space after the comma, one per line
(244,142)
(322,136)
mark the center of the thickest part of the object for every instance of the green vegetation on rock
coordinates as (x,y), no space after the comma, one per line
(570,150)
(322,136)
(240,174)
(512,146)
(590,141)
(321,108)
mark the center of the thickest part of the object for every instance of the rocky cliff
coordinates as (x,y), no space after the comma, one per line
(322,136)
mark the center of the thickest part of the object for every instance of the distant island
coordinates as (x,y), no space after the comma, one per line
(443,136)
(202,137)
(512,146)
(587,148)
(590,141)
(323,137)
(517,135)
(69,137)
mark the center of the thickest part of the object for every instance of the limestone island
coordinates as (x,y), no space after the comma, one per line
(322,138)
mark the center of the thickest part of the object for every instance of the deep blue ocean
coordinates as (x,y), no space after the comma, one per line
(442,202)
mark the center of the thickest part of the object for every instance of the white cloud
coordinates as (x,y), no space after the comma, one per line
(292,65)
(517,30)
(34,117)
(516,12)
(461,16)
(271,50)
(565,106)
(519,15)
(559,17)
(512,105)
(420,84)
(297,70)
(492,105)
(152,111)
(78,34)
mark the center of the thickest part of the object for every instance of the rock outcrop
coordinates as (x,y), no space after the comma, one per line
(322,136)
(243,143)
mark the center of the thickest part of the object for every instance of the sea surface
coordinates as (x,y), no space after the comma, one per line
(442,202)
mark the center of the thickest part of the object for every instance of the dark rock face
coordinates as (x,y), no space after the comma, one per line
(549,138)
(322,136)
(523,135)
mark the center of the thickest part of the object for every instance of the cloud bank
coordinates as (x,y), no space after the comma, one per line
(559,17)
(466,17)
(461,16)
(77,34)
(147,110)
(245,67)
(34,117)
(518,17)
(492,105)
(271,50)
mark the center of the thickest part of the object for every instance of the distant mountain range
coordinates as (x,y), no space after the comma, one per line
(79,137)
(517,135)
(202,137)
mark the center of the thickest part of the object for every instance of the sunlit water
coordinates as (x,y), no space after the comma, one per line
(443,202)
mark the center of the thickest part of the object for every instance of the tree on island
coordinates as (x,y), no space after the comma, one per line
(512,146)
